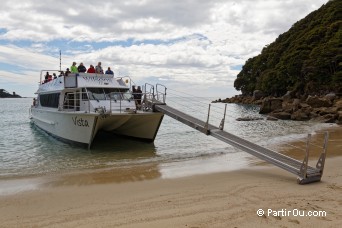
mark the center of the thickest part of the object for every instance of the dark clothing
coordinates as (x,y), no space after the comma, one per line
(109,72)
(134,90)
(138,96)
(81,69)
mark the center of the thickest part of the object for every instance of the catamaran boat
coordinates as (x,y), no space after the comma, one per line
(77,106)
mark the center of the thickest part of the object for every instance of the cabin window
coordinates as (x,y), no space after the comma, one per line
(107,93)
(96,94)
(114,94)
(49,100)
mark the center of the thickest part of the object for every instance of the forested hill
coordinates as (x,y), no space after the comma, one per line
(306,59)
(5,94)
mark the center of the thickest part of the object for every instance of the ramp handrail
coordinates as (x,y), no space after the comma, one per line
(161,96)
(149,92)
(305,173)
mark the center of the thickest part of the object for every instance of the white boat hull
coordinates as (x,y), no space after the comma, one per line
(82,127)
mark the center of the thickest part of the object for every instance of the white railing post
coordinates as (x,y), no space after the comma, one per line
(224,118)
(206,126)
(304,166)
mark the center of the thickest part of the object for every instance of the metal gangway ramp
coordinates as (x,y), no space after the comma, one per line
(305,173)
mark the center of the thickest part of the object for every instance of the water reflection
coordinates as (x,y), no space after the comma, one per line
(46,154)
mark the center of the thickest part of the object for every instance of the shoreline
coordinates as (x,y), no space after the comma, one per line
(225,199)
(157,170)
(141,197)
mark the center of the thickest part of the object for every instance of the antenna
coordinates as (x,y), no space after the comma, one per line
(60,60)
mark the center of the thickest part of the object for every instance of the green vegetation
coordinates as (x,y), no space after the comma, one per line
(306,59)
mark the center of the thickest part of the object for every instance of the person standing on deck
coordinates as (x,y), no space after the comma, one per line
(81,68)
(91,69)
(73,68)
(138,96)
(67,71)
(109,71)
(99,69)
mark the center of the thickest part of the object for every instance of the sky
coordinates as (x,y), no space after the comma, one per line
(192,46)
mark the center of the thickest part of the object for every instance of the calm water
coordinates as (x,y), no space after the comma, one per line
(178,150)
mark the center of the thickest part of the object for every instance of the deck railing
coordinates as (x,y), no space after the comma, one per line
(118,102)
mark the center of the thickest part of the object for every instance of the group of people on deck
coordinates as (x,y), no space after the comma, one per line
(78,69)
(82,69)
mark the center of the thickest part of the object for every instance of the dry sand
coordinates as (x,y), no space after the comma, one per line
(228,199)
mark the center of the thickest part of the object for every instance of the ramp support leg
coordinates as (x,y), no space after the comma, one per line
(304,167)
(206,126)
(321,160)
(224,118)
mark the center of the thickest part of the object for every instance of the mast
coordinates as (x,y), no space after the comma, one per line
(60,60)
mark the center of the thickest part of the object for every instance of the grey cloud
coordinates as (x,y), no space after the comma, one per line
(106,16)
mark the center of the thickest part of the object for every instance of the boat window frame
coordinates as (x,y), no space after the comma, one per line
(109,93)
(49,100)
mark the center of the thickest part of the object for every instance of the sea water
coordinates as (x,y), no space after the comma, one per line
(178,150)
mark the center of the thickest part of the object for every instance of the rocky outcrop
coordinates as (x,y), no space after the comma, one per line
(300,116)
(238,99)
(281,115)
(338,104)
(317,102)
(339,118)
(323,109)
(271,104)
(327,109)
(258,94)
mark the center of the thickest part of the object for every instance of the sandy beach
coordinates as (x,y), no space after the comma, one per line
(226,199)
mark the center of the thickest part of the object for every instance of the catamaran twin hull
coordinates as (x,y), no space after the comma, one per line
(82,127)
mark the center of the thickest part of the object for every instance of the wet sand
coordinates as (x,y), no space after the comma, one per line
(140,198)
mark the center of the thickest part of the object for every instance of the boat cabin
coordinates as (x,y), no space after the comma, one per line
(86,92)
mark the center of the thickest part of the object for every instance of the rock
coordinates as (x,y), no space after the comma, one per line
(330,96)
(287,96)
(239,99)
(305,108)
(338,105)
(289,107)
(300,116)
(317,102)
(272,118)
(258,102)
(313,115)
(339,117)
(330,118)
(217,101)
(248,118)
(258,94)
(330,110)
(270,104)
(281,115)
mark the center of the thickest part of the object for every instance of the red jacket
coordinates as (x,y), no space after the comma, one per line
(91,70)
